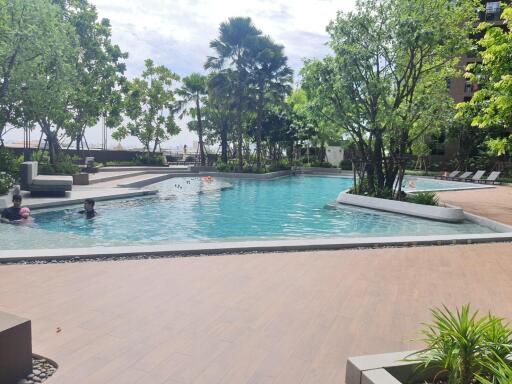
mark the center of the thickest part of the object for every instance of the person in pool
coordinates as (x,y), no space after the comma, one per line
(12,214)
(88,210)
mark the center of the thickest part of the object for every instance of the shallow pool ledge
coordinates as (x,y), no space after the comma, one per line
(447,214)
(237,247)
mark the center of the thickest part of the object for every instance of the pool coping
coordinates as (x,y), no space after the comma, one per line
(252,246)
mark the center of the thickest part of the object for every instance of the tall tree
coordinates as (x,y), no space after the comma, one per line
(30,33)
(385,84)
(271,78)
(149,108)
(219,112)
(234,52)
(99,70)
(491,105)
(193,91)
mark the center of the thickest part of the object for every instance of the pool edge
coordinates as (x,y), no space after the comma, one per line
(216,248)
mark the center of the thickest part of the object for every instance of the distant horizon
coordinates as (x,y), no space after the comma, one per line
(177,33)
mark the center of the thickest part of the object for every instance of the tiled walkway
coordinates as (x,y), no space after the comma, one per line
(493,203)
(256,318)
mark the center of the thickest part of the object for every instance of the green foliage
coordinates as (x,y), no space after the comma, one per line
(346,165)
(499,146)
(9,163)
(499,371)
(6,182)
(65,166)
(385,85)
(281,165)
(425,198)
(193,91)
(149,107)
(150,159)
(491,106)
(460,345)
(33,38)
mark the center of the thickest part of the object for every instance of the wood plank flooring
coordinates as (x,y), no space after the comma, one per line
(255,318)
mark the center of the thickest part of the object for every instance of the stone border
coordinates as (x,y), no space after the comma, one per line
(371,369)
(73,201)
(225,175)
(386,368)
(447,214)
(236,247)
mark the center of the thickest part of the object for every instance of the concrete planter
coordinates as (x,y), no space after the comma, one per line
(81,179)
(387,368)
(451,214)
(6,200)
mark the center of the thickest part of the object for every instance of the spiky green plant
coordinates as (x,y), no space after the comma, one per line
(425,198)
(499,371)
(460,345)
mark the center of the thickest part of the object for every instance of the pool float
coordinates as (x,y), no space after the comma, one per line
(25,212)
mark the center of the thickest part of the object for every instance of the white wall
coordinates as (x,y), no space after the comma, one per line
(334,155)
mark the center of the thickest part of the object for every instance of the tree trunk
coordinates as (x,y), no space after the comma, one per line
(240,141)
(224,142)
(378,161)
(53,142)
(200,133)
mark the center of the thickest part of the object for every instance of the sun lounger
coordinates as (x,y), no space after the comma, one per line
(476,177)
(463,177)
(491,179)
(43,184)
(450,176)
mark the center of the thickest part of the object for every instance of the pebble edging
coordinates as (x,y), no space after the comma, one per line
(42,369)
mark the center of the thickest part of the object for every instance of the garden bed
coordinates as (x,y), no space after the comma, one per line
(447,214)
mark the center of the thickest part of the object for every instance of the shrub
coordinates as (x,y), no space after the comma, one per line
(425,198)
(9,163)
(346,165)
(462,346)
(6,182)
(150,159)
(65,165)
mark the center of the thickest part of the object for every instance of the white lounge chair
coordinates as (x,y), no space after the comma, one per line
(43,184)
(491,179)
(450,176)
(463,177)
(476,177)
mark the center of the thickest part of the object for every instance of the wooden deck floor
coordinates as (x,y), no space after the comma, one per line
(260,318)
(493,203)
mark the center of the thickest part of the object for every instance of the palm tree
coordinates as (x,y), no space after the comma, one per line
(271,78)
(234,51)
(221,101)
(193,91)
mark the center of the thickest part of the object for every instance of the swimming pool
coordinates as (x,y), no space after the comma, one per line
(192,209)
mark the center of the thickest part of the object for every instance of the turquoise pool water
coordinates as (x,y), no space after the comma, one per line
(191,209)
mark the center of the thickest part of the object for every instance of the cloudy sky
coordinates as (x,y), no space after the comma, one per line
(177,33)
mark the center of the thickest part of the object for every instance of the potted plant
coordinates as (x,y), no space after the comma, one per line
(461,347)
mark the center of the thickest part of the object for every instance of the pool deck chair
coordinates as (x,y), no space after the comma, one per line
(43,184)
(450,176)
(463,177)
(476,177)
(491,179)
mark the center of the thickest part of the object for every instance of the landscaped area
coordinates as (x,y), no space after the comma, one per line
(345,219)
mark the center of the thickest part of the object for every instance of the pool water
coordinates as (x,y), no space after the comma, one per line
(193,209)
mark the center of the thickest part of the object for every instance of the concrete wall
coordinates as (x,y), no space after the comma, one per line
(334,155)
